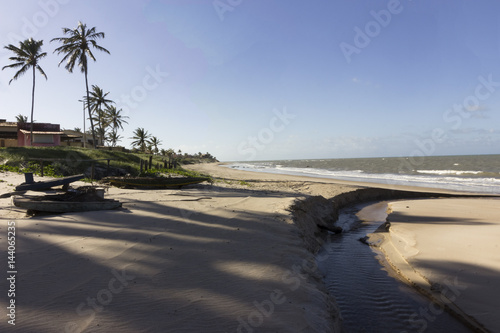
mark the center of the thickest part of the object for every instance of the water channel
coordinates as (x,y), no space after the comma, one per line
(370,300)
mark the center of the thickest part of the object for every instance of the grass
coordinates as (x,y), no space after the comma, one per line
(75,160)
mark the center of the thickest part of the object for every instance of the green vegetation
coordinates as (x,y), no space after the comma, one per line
(73,160)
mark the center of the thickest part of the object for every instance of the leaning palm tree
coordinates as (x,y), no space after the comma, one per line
(141,139)
(75,48)
(27,56)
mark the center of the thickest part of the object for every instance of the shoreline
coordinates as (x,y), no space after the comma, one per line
(410,272)
(271,286)
(446,248)
(374,181)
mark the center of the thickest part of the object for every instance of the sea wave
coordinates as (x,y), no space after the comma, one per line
(450,172)
(445,179)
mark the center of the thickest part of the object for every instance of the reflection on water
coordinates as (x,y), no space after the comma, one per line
(369,299)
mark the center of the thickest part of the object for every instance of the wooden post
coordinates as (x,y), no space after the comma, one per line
(151,162)
(41,168)
(107,170)
(28,177)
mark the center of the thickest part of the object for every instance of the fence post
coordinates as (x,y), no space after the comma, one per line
(41,167)
(151,162)
(107,170)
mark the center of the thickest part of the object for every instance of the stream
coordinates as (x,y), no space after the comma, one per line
(370,300)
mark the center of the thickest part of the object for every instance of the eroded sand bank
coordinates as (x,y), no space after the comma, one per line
(450,249)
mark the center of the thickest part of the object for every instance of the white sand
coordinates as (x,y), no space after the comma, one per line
(451,249)
(200,259)
(221,258)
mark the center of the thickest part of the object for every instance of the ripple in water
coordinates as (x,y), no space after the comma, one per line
(369,299)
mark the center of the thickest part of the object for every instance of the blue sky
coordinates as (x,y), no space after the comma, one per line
(276,79)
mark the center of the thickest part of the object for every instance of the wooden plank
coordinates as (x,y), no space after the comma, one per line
(48,183)
(65,206)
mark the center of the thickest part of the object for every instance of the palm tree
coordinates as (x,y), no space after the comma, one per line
(155,142)
(75,48)
(97,100)
(102,128)
(141,139)
(27,56)
(21,119)
(115,118)
(114,137)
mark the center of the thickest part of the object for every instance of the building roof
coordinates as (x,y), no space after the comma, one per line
(8,124)
(41,132)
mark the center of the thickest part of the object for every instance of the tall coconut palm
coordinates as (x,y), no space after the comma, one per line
(75,48)
(141,139)
(27,56)
(97,101)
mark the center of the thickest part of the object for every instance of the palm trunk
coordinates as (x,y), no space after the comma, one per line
(88,107)
(32,107)
(100,125)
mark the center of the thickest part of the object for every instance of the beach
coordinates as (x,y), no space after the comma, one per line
(202,258)
(449,249)
(226,257)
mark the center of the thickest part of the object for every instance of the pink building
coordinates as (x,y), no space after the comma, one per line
(44,134)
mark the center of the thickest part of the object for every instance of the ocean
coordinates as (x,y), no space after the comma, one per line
(470,173)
